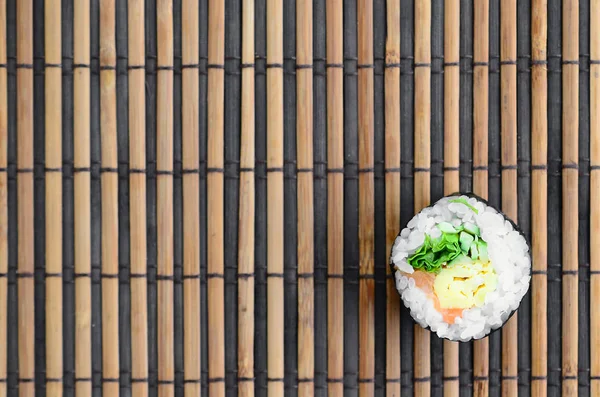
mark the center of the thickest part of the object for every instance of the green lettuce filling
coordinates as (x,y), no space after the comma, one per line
(454,243)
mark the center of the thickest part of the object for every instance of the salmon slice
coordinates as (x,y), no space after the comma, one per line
(424,281)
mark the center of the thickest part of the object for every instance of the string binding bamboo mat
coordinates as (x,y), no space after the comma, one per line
(200,196)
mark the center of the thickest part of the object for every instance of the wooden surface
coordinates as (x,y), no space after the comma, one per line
(200,197)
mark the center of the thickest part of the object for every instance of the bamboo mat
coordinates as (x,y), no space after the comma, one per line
(200,196)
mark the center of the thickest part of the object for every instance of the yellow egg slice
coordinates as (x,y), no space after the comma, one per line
(464,285)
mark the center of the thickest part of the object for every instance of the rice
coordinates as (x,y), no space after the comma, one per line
(495,280)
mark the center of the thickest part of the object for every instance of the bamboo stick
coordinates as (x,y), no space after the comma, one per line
(422,156)
(451,154)
(3,202)
(392,192)
(164,197)
(25,229)
(53,163)
(275,195)
(190,108)
(480,102)
(366,203)
(481,347)
(81,182)
(110,202)
(304,139)
(570,220)
(480,114)
(595,194)
(247,212)
(335,198)
(539,192)
(508,89)
(137,199)
(216,296)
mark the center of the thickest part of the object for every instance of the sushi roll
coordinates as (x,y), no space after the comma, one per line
(461,267)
